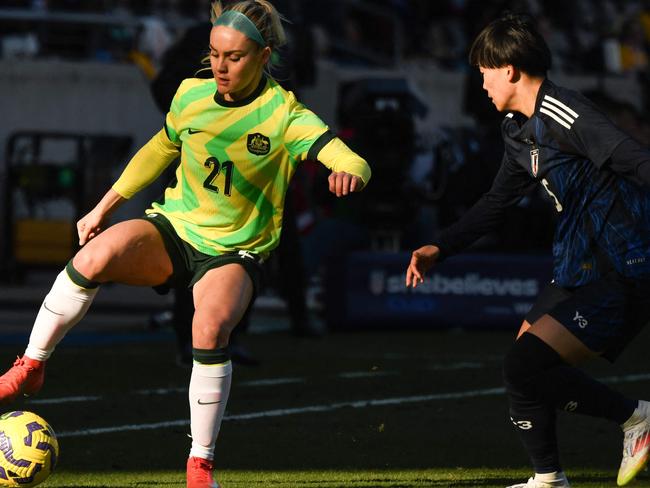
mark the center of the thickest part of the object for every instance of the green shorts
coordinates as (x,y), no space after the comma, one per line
(189,265)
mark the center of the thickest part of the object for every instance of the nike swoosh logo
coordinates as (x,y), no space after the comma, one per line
(50,310)
(192,131)
(208,403)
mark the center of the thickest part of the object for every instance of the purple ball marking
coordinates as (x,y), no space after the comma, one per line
(46,446)
(31,428)
(28,479)
(7,449)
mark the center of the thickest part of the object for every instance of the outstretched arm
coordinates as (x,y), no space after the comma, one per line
(509,186)
(147,165)
(144,167)
(92,223)
(350,172)
(342,183)
(422,260)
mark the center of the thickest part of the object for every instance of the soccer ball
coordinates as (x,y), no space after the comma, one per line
(28,449)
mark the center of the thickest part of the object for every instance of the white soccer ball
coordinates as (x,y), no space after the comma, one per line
(29,449)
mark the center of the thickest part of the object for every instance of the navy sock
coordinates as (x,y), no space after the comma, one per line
(539,381)
(533,416)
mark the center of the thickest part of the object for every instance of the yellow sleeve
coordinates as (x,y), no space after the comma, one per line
(147,164)
(337,156)
(304,128)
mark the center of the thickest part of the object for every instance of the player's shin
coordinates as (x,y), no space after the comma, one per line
(64,306)
(208,395)
(533,416)
(567,387)
(536,426)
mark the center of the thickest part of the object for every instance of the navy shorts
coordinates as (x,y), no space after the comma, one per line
(189,265)
(605,315)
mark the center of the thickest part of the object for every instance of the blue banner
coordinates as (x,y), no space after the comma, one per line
(367,290)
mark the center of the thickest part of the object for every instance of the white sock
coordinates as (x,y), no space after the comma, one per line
(209,390)
(554,477)
(63,307)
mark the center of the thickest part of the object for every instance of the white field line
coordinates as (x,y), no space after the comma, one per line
(366,374)
(72,399)
(283,412)
(183,389)
(455,366)
(163,391)
(273,382)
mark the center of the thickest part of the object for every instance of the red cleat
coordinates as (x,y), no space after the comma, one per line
(199,473)
(25,377)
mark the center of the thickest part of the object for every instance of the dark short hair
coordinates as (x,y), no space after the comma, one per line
(511,39)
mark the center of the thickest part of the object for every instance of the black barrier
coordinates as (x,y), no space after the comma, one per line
(367,290)
(51,180)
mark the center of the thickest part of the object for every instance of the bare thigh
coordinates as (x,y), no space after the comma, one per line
(130,252)
(558,337)
(524,327)
(221,298)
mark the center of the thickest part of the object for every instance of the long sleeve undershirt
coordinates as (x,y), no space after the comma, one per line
(147,165)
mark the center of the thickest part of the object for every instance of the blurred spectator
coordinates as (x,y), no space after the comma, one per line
(625,115)
(634,47)
(581,34)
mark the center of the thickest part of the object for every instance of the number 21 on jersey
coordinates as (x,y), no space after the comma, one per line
(210,182)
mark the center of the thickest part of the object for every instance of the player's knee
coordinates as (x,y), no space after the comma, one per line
(90,265)
(516,370)
(212,330)
(528,358)
(223,336)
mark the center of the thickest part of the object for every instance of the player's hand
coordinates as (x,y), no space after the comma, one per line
(342,183)
(89,226)
(422,260)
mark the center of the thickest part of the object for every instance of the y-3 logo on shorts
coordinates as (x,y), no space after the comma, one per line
(522,424)
(571,406)
(582,322)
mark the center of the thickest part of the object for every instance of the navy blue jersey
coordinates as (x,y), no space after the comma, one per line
(596,177)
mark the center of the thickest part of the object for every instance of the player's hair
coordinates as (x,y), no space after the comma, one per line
(511,39)
(263,14)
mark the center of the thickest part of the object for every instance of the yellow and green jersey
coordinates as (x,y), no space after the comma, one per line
(237,159)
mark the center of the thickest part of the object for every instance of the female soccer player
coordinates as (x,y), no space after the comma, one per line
(597,178)
(239,137)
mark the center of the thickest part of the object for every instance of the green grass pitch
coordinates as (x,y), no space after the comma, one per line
(358,409)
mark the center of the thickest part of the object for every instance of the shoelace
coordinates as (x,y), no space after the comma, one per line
(204,470)
(632,438)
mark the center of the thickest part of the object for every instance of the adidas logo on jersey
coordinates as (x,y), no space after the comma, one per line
(558,111)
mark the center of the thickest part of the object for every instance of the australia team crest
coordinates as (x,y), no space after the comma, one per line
(258,144)
(534,161)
